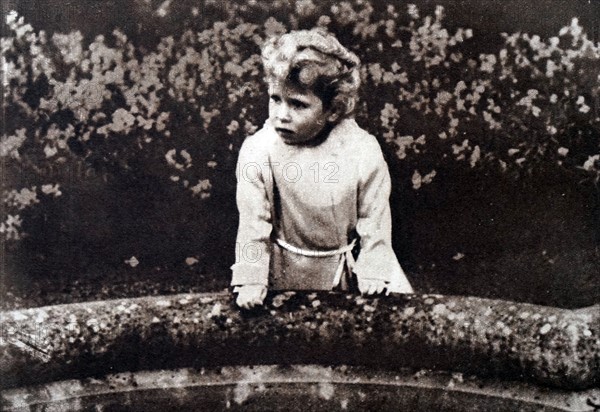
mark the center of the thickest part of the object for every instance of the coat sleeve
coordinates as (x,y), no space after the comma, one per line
(377,259)
(253,244)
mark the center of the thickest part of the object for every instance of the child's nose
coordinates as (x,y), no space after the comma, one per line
(283,113)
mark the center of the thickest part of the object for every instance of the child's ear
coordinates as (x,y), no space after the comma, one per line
(333,116)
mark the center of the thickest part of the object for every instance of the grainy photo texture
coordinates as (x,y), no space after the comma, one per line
(300,205)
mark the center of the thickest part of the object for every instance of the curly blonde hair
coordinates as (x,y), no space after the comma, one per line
(315,60)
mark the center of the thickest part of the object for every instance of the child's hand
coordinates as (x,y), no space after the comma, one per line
(371,286)
(250,296)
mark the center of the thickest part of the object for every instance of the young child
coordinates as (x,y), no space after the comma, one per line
(313,187)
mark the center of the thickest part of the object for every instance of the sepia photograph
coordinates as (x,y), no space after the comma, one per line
(300,205)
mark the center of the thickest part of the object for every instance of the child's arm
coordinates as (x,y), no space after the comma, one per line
(251,269)
(377,264)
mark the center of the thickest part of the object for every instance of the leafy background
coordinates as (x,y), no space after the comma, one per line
(122,122)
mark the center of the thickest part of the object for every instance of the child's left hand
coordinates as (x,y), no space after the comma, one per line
(250,296)
(371,286)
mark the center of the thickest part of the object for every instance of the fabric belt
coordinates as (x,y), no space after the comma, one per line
(345,253)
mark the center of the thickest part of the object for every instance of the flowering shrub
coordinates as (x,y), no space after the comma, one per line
(519,109)
(179,111)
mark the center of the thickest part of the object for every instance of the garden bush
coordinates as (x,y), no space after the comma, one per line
(120,146)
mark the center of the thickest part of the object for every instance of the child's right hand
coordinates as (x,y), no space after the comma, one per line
(250,296)
(371,286)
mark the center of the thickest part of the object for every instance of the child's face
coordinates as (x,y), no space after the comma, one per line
(296,114)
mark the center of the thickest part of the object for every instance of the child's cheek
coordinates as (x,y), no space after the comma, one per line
(271,110)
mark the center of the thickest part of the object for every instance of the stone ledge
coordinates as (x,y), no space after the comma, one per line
(490,338)
(281,388)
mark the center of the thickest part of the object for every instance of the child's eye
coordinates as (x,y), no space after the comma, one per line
(275,98)
(298,104)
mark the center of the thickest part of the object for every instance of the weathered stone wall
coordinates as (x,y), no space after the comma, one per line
(490,338)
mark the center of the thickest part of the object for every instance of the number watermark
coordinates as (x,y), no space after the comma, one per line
(290,172)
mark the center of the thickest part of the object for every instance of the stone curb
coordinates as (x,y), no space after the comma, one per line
(280,388)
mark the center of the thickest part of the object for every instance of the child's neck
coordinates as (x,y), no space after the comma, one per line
(319,138)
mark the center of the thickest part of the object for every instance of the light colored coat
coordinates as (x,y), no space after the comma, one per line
(315,198)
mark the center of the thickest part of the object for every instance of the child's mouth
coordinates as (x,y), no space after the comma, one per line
(284,132)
